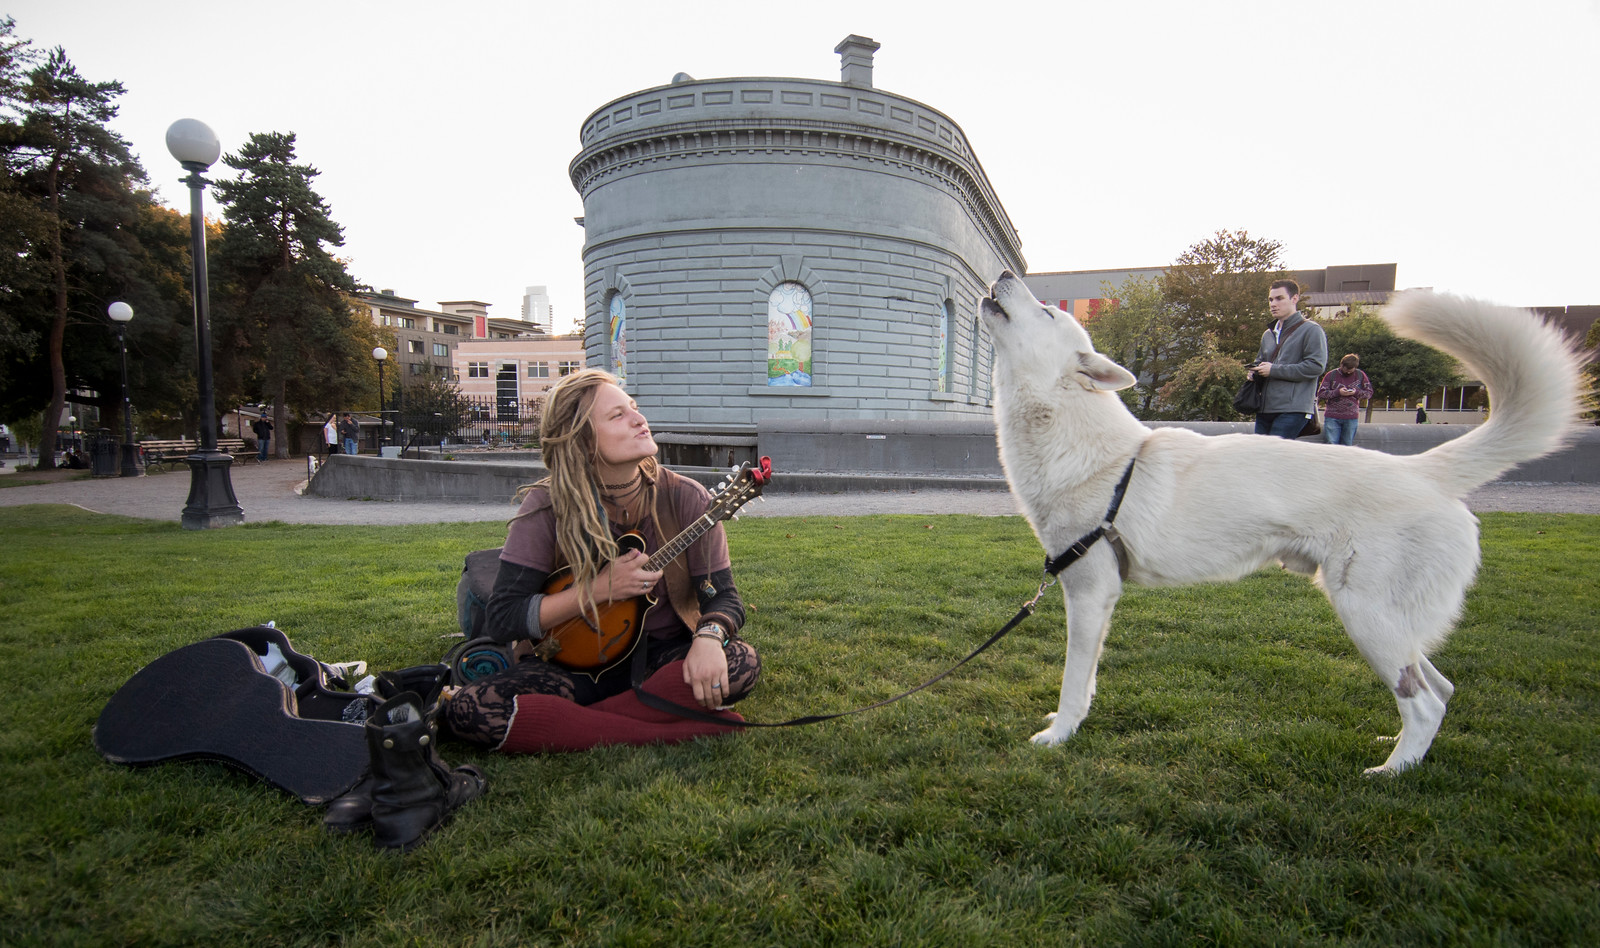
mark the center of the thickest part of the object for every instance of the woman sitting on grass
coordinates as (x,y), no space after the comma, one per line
(605,482)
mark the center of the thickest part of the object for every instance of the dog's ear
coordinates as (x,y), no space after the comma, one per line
(1099,373)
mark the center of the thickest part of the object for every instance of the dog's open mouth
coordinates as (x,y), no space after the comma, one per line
(990,305)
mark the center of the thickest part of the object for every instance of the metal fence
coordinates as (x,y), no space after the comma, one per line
(486,422)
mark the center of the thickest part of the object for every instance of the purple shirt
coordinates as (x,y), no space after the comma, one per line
(1344,407)
(531,542)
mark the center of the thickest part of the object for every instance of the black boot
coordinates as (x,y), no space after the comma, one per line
(412,790)
(352,812)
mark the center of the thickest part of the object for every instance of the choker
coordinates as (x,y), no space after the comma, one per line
(625,484)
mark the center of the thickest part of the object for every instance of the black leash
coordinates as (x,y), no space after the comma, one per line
(1053,566)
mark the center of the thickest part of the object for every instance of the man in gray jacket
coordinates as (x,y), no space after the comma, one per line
(1291,376)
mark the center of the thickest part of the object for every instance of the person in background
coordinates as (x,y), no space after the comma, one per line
(1342,391)
(263,431)
(349,431)
(1422,413)
(1301,349)
(330,435)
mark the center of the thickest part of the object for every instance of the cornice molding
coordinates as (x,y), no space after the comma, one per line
(840,143)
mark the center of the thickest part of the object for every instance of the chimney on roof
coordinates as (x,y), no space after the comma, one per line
(855,60)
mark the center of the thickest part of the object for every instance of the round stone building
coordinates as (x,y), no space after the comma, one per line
(793,267)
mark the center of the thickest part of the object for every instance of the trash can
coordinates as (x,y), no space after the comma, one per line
(105,455)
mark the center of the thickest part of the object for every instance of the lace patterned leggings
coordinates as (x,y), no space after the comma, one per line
(480,711)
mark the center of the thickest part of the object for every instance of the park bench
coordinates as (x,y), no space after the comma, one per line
(164,455)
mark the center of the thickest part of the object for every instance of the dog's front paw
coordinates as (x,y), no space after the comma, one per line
(1056,733)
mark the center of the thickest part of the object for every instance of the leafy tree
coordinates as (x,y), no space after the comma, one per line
(1134,328)
(23,225)
(1202,389)
(286,330)
(152,279)
(27,428)
(79,183)
(161,354)
(1398,368)
(1219,289)
(428,408)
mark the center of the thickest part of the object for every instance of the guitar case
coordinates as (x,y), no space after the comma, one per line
(217,700)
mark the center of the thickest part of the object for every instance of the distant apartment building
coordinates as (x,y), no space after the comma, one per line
(536,309)
(520,369)
(426,341)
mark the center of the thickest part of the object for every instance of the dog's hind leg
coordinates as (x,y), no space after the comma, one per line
(1091,595)
(1421,712)
(1396,608)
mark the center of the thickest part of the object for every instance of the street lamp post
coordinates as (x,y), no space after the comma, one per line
(120,313)
(211,499)
(380,353)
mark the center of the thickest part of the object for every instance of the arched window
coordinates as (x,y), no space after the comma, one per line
(789,336)
(973,377)
(943,367)
(617,339)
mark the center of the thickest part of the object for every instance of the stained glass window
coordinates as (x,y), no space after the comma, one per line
(789,336)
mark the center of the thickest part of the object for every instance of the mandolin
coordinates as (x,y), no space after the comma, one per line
(593,647)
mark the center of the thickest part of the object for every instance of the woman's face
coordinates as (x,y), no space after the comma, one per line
(621,434)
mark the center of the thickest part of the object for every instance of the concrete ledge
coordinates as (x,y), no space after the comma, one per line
(946,448)
(841,458)
(343,477)
(965,451)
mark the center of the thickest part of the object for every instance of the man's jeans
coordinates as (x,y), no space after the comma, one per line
(1339,430)
(350,446)
(1282,424)
(265,444)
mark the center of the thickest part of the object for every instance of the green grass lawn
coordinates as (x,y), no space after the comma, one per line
(1213,796)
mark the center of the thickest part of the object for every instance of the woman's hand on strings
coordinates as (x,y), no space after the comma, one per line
(626,578)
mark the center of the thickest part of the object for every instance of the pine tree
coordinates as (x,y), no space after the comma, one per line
(284,324)
(78,181)
(23,225)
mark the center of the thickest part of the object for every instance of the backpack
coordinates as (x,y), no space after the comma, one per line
(473,590)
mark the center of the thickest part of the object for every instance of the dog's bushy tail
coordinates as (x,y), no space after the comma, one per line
(1533,373)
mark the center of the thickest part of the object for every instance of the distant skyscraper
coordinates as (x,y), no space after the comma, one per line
(536,308)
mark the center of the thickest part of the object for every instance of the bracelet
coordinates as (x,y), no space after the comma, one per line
(712,630)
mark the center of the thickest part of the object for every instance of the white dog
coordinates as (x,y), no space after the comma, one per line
(1387,536)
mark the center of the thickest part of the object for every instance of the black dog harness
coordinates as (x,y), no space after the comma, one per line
(1072,554)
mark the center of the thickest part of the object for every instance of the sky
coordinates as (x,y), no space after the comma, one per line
(1458,139)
